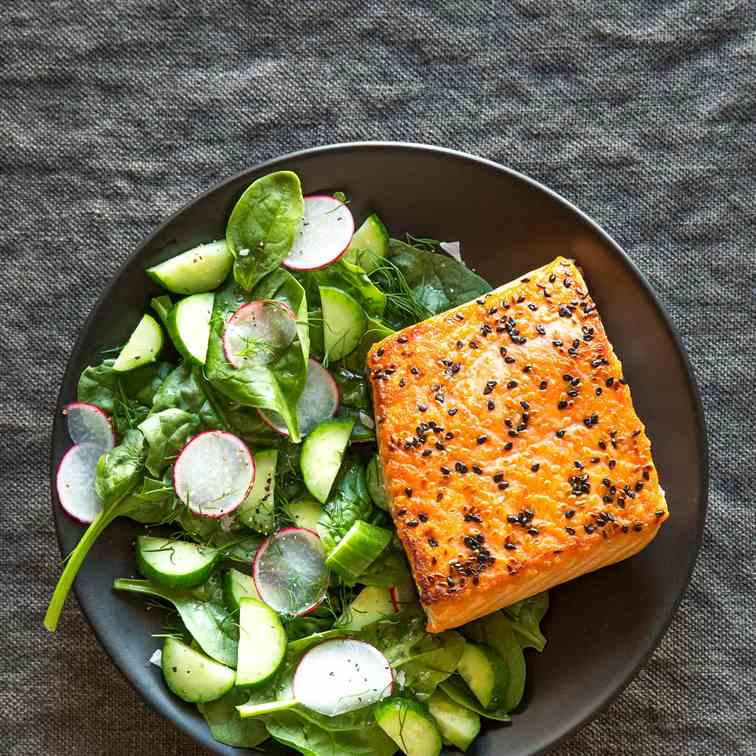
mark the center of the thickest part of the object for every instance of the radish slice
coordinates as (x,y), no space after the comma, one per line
(76,482)
(403,596)
(318,401)
(214,473)
(289,571)
(258,332)
(88,424)
(342,675)
(325,233)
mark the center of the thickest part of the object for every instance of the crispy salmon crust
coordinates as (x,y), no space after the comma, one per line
(511,451)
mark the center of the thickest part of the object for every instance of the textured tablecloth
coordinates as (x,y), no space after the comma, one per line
(113,114)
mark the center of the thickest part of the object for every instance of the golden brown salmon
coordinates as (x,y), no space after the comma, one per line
(512,455)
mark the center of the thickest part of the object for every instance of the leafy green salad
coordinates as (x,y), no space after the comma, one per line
(237,416)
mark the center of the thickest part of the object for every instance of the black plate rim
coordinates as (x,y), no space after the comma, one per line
(702,438)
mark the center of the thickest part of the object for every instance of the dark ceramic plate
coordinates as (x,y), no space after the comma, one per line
(600,628)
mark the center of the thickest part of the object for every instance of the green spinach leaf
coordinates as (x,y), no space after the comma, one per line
(208,621)
(526,616)
(276,385)
(166,432)
(350,278)
(225,724)
(263,226)
(182,389)
(456,688)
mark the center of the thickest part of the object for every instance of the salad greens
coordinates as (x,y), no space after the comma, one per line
(253,395)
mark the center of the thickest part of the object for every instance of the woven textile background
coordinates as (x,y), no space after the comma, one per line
(113,114)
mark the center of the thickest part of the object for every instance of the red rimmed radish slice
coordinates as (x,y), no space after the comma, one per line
(318,401)
(258,332)
(342,675)
(214,473)
(88,424)
(290,572)
(75,482)
(325,233)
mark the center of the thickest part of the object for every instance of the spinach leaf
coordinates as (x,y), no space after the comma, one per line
(182,389)
(208,621)
(166,432)
(225,724)
(349,501)
(353,388)
(118,473)
(276,385)
(389,569)
(456,688)
(307,738)
(497,631)
(526,616)
(153,503)
(97,385)
(263,226)
(143,383)
(419,283)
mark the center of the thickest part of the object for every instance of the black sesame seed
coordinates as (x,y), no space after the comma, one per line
(557,342)
(510,546)
(612,464)
(565,312)
(402,339)
(646,475)
(422,517)
(598,391)
(477,470)
(481,440)
(543,385)
(426,453)
(440,446)
(570,531)
(412,523)
(472,517)
(489,387)
(414,371)
(588,529)
(609,381)
(509,360)
(512,519)
(578,464)
(451,411)
(408,493)
(638,487)
(444,470)
(559,434)
(541,330)
(508,446)
(503,486)
(460,467)
(460,344)
(659,514)
(535,467)
(491,405)
(569,514)
(379,352)
(449,435)
(562,404)
(432,542)
(637,527)
(422,408)
(533,531)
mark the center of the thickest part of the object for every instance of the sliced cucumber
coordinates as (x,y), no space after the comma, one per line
(236,586)
(162,306)
(458,725)
(197,270)
(143,346)
(371,604)
(369,244)
(357,550)
(305,513)
(174,564)
(485,673)
(269,707)
(344,322)
(192,676)
(188,325)
(409,725)
(322,452)
(375,485)
(257,511)
(262,643)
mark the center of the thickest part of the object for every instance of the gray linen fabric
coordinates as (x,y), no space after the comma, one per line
(112,114)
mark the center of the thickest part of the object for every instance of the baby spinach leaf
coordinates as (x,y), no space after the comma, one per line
(225,724)
(142,384)
(349,501)
(274,386)
(118,473)
(526,616)
(182,389)
(350,278)
(389,569)
(209,622)
(456,688)
(289,728)
(153,503)
(166,432)
(263,226)
(496,630)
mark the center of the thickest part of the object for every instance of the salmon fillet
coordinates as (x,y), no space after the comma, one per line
(510,449)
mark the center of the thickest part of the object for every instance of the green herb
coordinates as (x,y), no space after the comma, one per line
(526,616)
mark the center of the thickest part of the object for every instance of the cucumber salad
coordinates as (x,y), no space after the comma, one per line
(237,418)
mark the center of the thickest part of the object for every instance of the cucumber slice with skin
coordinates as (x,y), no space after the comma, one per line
(197,270)
(369,245)
(192,676)
(409,725)
(188,325)
(174,564)
(344,322)
(485,673)
(236,586)
(458,725)
(262,643)
(257,511)
(357,550)
(322,452)
(305,513)
(143,346)
(371,604)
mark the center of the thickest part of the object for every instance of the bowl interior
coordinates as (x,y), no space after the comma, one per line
(601,627)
